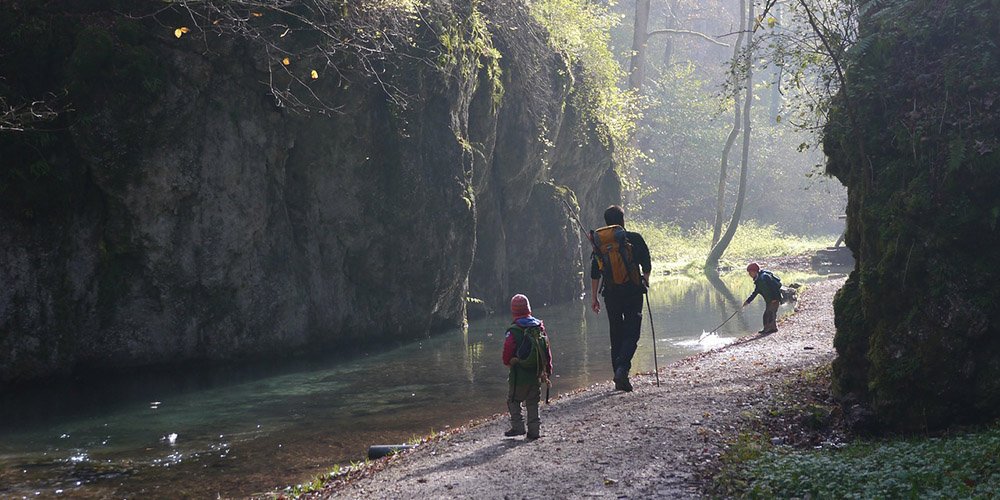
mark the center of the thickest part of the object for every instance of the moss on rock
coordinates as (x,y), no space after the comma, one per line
(917,323)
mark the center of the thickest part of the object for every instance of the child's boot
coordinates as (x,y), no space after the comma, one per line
(516,420)
(534,423)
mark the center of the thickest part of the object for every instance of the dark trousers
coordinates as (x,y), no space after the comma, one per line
(530,394)
(625,319)
(771,316)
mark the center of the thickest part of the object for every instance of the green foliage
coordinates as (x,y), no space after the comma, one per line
(684,128)
(317,484)
(808,43)
(748,446)
(958,466)
(679,249)
(582,29)
(471,38)
(683,134)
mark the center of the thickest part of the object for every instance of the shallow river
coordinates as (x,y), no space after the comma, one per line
(254,429)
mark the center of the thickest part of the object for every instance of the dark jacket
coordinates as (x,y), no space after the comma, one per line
(767,285)
(640,254)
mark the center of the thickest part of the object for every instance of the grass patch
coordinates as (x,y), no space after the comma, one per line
(964,465)
(685,250)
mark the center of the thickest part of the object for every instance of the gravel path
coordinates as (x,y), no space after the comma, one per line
(653,442)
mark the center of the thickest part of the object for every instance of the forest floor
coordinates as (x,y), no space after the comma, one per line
(662,442)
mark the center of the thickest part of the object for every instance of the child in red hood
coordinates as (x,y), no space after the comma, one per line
(526,352)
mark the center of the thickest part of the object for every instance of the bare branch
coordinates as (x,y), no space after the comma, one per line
(26,116)
(686,32)
(301,36)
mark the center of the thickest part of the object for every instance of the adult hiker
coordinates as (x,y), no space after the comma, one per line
(526,352)
(619,271)
(767,285)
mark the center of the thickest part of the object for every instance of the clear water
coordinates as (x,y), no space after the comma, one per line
(258,428)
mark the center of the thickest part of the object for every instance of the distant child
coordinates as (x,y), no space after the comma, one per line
(768,286)
(526,351)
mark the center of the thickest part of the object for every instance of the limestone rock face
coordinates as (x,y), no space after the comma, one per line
(541,161)
(917,332)
(206,223)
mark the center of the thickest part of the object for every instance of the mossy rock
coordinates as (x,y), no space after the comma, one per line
(917,321)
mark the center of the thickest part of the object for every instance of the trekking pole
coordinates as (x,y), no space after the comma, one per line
(576,219)
(653,330)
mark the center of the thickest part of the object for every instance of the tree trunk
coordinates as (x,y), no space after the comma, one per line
(720,247)
(671,22)
(720,200)
(637,66)
(636,78)
(776,73)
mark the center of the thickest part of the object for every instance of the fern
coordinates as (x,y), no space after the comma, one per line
(861,46)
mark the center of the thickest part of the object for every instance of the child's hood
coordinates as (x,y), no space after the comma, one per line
(528,321)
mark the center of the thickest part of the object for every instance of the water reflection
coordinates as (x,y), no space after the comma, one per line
(237,432)
(725,298)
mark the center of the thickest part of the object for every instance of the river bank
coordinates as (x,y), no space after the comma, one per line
(654,442)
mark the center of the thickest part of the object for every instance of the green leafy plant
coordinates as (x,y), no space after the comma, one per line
(965,465)
(582,29)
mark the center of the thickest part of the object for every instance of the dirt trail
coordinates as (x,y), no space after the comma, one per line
(604,444)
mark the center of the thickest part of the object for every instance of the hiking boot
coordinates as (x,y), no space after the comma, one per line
(532,436)
(626,385)
(514,432)
(621,381)
(620,375)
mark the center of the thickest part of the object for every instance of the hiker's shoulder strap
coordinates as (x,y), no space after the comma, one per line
(539,332)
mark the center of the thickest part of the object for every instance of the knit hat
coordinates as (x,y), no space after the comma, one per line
(520,307)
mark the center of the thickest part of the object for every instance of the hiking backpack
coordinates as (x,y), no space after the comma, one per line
(774,282)
(532,349)
(614,256)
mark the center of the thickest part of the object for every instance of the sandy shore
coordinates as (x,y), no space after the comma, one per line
(653,442)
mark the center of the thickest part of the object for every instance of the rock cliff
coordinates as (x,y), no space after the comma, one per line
(177,210)
(913,137)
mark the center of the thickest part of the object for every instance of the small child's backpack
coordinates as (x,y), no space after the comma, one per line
(614,256)
(532,349)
